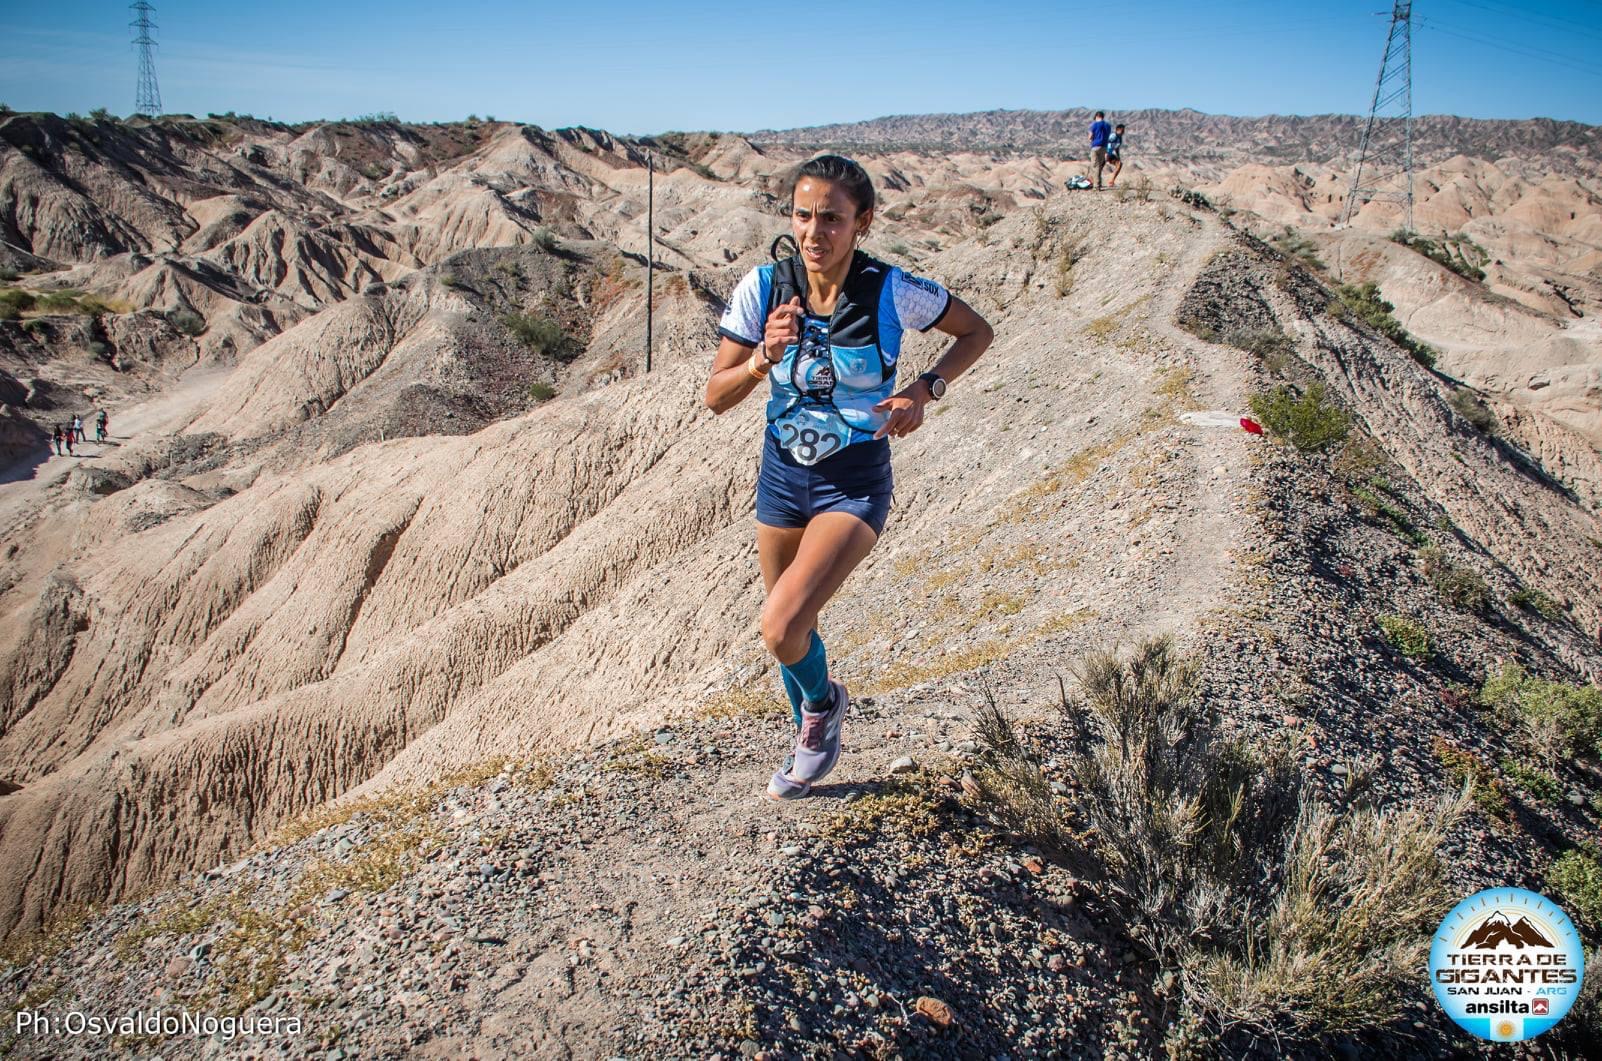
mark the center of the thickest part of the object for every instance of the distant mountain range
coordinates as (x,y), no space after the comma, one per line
(1191,136)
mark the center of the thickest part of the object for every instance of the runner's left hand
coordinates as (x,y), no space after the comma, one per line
(906,413)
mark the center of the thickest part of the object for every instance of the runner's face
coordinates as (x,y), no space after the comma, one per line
(826,224)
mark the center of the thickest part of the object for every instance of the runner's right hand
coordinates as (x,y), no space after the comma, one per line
(784,329)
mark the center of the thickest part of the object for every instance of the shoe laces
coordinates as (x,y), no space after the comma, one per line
(813,724)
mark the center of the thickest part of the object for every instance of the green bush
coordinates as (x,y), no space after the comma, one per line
(1453,252)
(1363,301)
(1309,422)
(1471,407)
(1557,720)
(1533,600)
(1271,346)
(1407,636)
(1459,586)
(187,322)
(541,392)
(8,273)
(540,334)
(1533,782)
(544,239)
(94,305)
(1466,768)
(1293,244)
(9,312)
(1576,878)
(17,299)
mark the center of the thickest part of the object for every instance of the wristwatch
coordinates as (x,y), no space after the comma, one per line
(937,386)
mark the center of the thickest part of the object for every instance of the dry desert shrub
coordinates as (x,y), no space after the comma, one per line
(1186,829)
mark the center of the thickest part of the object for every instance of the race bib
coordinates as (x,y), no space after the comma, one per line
(812,432)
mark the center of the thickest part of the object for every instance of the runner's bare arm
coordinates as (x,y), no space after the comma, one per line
(732,378)
(973,335)
(730,381)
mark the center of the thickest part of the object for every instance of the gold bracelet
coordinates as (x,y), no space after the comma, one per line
(751,369)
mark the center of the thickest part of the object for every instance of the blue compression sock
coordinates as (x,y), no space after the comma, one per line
(811,672)
(792,689)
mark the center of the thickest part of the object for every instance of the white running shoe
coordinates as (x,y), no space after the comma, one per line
(781,786)
(817,749)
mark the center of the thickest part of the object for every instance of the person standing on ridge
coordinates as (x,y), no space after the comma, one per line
(824,329)
(77,428)
(102,426)
(1099,132)
(1115,154)
(55,438)
(66,430)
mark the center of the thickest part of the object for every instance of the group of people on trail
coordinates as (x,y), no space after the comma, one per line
(62,436)
(1106,148)
(823,329)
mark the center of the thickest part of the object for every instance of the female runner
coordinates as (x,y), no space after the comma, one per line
(824,330)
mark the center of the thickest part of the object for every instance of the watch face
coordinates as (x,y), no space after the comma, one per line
(937,387)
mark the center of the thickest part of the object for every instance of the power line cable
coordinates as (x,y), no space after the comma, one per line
(1538,54)
(1508,11)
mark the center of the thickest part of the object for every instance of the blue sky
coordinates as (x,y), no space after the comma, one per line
(634,67)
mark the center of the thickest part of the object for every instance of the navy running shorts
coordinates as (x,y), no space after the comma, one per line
(856,480)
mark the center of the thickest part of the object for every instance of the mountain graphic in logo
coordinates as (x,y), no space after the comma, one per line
(1496,930)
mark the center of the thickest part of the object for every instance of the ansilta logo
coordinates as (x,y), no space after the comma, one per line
(1506,964)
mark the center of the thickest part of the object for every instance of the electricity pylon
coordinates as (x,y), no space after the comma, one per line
(148,99)
(1385,160)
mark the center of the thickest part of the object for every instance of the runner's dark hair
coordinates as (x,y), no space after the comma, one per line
(842,171)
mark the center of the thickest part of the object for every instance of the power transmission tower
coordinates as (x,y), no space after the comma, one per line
(148,101)
(1385,160)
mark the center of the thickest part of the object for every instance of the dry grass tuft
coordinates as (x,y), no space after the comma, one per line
(750,701)
(902,806)
(1188,831)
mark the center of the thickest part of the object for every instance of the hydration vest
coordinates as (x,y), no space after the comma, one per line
(821,404)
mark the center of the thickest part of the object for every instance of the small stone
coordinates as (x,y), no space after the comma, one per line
(791,850)
(1056,963)
(1034,866)
(337,894)
(935,1011)
(1339,770)
(664,736)
(178,967)
(1059,788)
(903,765)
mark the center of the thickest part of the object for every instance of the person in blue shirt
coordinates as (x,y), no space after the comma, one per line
(1115,154)
(1099,131)
(823,329)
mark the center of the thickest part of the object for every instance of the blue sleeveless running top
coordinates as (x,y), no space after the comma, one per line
(824,389)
